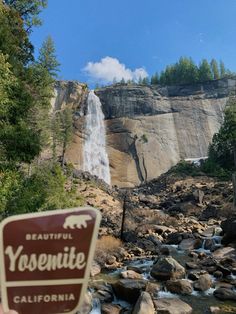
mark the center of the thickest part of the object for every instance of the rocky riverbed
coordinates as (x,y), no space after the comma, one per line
(177,255)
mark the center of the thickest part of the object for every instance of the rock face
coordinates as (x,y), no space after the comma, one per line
(149,128)
(73,95)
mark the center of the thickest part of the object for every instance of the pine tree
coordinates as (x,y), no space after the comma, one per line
(155,79)
(47,57)
(222,70)
(140,80)
(204,71)
(145,81)
(215,69)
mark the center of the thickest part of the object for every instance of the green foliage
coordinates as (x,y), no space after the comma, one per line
(215,69)
(14,41)
(212,169)
(26,89)
(47,57)
(187,168)
(44,190)
(19,142)
(7,82)
(222,69)
(144,138)
(155,79)
(144,81)
(204,71)
(223,147)
(27,10)
(185,71)
(206,167)
(182,72)
(62,130)
(10,180)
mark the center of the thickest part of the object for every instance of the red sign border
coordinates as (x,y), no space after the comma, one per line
(44,214)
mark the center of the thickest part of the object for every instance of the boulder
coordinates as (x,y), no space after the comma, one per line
(129,289)
(87,306)
(214,310)
(167,268)
(174,238)
(144,304)
(225,294)
(153,288)
(171,306)
(95,269)
(130,274)
(180,286)
(203,283)
(229,229)
(190,244)
(192,265)
(103,292)
(198,195)
(224,252)
(109,308)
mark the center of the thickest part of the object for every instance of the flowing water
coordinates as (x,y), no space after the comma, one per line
(200,301)
(95,156)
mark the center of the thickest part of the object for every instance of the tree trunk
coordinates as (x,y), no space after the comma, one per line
(63,154)
(123,215)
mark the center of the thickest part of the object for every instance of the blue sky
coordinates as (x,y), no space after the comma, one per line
(137,36)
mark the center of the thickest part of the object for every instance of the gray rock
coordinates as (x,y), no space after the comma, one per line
(86,307)
(95,269)
(190,244)
(130,274)
(129,289)
(108,308)
(172,306)
(181,286)
(229,229)
(225,252)
(203,283)
(215,310)
(144,304)
(225,294)
(153,288)
(167,268)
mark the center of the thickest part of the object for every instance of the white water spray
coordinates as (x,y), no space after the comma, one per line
(95,156)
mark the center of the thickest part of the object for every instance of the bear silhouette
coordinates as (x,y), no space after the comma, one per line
(76,221)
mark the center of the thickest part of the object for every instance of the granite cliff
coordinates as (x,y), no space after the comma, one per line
(149,128)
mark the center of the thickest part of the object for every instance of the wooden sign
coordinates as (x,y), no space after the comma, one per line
(45,260)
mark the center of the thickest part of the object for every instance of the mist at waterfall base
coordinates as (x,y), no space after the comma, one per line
(95,158)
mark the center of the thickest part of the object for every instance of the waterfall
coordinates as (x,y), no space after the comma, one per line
(95,156)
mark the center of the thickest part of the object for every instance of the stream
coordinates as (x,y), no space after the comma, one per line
(199,301)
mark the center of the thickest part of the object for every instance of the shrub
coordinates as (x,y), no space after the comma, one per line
(211,168)
(107,246)
(187,168)
(144,138)
(43,190)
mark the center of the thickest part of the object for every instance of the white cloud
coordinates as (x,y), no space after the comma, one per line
(108,69)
